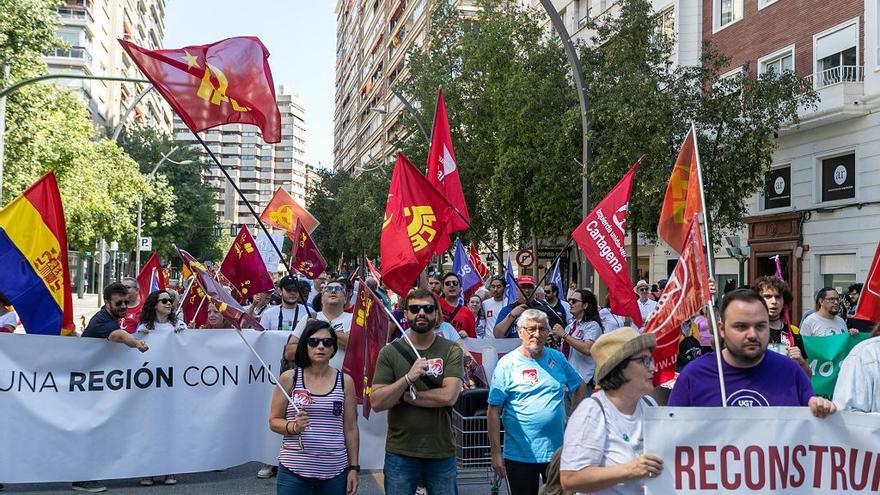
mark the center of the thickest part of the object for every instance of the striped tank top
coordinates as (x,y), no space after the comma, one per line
(322,453)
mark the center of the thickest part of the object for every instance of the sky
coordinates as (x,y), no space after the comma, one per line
(300,36)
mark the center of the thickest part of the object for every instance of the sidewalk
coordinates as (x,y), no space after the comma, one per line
(84,308)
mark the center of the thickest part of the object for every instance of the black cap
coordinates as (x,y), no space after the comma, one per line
(287,282)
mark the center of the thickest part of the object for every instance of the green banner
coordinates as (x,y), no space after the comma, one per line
(825,355)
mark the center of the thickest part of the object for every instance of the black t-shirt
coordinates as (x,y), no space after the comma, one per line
(780,336)
(101,325)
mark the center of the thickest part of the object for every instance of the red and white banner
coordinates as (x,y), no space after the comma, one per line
(601,238)
(720,450)
(869,300)
(686,292)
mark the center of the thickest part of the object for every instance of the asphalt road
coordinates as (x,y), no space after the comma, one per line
(239,480)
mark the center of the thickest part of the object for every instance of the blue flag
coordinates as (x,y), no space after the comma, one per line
(556,279)
(510,290)
(461,264)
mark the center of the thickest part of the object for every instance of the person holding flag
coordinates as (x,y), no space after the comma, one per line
(785,338)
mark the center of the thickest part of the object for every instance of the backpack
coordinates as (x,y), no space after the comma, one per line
(553,486)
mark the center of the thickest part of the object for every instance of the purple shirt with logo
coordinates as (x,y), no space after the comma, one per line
(776,381)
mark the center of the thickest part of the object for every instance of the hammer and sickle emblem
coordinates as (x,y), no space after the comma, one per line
(282,216)
(419,229)
(208,92)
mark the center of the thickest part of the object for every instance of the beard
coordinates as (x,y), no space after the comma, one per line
(747,356)
(421,325)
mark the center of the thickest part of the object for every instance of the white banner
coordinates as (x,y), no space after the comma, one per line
(267,251)
(77,408)
(762,450)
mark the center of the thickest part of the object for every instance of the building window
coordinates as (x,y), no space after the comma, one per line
(666,23)
(729,82)
(764,3)
(777,63)
(727,12)
(838,178)
(777,188)
(837,56)
(838,271)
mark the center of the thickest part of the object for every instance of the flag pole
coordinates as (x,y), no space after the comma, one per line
(268,370)
(183,297)
(242,196)
(709,252)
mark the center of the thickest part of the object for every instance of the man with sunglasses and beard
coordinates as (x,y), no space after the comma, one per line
(418,392)
(753,377)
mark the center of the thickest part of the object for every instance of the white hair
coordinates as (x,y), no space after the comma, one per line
(532,315)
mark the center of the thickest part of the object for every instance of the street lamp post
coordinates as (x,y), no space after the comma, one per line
(137,249)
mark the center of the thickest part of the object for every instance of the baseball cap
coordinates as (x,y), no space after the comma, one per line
(287,282)
(525,280)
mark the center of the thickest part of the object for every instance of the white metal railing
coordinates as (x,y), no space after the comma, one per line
(836,75)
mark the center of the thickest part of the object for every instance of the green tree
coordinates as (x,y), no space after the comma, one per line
(180,208)
(513,115)
(641,103)
(27,31)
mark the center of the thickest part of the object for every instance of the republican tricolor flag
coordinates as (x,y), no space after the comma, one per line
(34,273)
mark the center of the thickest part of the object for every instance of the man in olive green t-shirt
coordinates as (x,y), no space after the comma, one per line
(418,449)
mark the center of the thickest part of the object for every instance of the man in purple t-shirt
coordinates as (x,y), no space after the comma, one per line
(753,377)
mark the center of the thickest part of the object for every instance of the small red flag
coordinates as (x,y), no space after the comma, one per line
(369,333)
(372,269)
(686,292)
(869,300)
(443,170)
(305,257)
(601,238)
(283,211)
(414,224)
(227,82)
(195,306)
(149,279)
(479,266)
(682,198)
(244,268)
(216,293)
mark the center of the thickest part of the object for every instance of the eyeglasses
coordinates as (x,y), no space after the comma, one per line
(165,301)
(572,301)
(531,330)
(327,341)
(333,288)
(120,304)
(646,361)
(451,283)
(643,289)
(416,308)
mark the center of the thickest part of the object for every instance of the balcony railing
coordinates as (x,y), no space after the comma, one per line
(78,52)
(837,75)
(74,14)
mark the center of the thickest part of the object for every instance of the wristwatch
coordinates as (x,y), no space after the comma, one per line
(355,467)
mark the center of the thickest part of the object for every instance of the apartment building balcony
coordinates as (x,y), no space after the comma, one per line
(76,54)
(841,90)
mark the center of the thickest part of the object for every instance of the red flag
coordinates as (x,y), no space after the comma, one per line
(369,333)
(869,300)
(482,269)
(414,224)
(149,279)
(601,238)
(195,306)
(682,198)
(686,292)
(372,269)
(216,293)
(305,257)
(243,267)
(443,170)
(283,211)
(227,82)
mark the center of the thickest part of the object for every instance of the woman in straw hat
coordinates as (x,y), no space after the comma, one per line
(603,448)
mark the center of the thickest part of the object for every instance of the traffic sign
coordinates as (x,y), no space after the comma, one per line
(146,244)
(525,258)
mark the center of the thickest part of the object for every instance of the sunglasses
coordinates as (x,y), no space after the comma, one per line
(165,301)
(646,361)
(327,341)
(643,289)
(416,308)
(451,283)
(120,304)
(572,301)
(333,288)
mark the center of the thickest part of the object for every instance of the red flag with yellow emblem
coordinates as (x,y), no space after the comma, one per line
(682,198)
(368,334)
(416,217)
(305,256)
(283,211)
(244,268)
(227,82)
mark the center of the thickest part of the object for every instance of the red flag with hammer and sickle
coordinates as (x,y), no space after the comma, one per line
(227,82)
(305,256)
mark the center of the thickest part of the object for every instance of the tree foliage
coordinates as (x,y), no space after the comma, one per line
(180,208)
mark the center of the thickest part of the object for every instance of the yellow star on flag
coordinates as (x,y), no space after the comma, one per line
(191,60)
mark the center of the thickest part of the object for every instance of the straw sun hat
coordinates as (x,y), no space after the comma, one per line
(614,347)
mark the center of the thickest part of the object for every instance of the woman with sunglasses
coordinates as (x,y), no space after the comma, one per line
(578,337)
(603,451)
(319,449)
(158,314)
